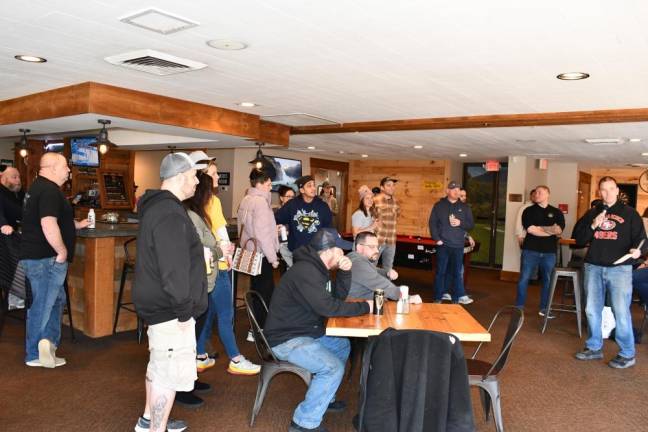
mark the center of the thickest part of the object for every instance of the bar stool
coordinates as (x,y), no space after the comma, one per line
(128,267)
(565,272)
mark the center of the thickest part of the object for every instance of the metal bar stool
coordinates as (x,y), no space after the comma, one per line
(565,272)
(128,267)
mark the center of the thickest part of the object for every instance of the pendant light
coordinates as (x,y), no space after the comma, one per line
(103,143)
(23,143)
(262,163)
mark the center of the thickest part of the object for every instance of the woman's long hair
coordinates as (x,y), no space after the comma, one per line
(204,193)
(371,211)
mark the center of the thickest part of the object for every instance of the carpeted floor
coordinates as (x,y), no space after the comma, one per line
(543,387)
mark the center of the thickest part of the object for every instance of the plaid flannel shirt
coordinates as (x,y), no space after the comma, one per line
(387,211)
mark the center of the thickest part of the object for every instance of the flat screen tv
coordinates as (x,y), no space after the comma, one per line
(288,170)
(84,153)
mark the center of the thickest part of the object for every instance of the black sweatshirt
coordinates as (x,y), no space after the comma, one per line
(301,301)
(621,231)
(170,279)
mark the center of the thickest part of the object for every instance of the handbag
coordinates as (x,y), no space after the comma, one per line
(247,261)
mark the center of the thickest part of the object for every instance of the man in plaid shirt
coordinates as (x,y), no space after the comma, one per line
(388,211)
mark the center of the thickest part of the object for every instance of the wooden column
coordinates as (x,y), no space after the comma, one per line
(98,282)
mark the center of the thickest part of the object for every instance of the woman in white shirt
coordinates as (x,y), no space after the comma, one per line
(364,219)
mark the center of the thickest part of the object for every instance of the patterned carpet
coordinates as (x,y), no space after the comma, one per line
(543,387)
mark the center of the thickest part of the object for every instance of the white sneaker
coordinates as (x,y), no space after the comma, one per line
(465,300)
(204,362)
(250,336)
(58,361)
(446,296)
(243,367)
(46,354)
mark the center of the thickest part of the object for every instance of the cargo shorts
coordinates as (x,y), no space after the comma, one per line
(172,361)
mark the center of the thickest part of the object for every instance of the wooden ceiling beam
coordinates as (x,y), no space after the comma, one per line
(483,121)
(129,104)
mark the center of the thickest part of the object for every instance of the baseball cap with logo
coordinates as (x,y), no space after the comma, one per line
(200,156)
(387,179)
(327,238)
(454,185)
(177,163)
(301,181)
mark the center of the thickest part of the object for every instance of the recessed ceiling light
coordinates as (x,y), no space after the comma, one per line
(247,104)
(644,154)
(341,151)
(572,76)
(311,147)
(227,44)
(30,59)
(635,140)
(418,147)
(365,155)
(463,155)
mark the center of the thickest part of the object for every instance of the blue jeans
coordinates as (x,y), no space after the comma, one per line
(618,282)
(640,284)
(528,263)
(221,308)
(46,277)
(325,358)
(449,266)
(387,253)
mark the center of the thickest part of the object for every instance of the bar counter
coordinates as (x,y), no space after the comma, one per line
(93,279)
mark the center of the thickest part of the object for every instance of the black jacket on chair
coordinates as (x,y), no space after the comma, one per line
(414,381)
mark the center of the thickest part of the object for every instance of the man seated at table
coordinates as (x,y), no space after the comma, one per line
(295,324)
(365,276)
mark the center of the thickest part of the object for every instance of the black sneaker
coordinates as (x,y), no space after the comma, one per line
(202,388)
(188,400)
(619,362)
(144,425)
(294,427)
(336,406)
(588,354)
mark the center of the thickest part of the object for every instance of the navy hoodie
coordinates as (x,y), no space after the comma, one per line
(303,219)
(305,297)
(170,280)
(439,222)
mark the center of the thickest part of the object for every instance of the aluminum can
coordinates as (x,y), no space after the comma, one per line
(283,233)
(379,302)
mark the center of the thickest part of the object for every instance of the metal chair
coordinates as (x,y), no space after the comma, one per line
(485,375)
(270,365)
(574,275)
(128,267)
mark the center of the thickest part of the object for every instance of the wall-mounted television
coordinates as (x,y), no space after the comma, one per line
(288,171)
(84,151)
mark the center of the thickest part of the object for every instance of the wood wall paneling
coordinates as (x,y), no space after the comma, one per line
(421,184)
(622,176)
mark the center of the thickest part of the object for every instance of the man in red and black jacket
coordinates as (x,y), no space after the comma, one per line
(613,230)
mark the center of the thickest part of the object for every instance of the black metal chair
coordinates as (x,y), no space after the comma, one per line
(485,375)
(270,365)
(128,267)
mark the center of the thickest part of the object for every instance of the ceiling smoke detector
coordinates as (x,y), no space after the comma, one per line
(158,21)
(154,62)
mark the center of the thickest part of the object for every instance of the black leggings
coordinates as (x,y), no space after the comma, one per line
(264,285)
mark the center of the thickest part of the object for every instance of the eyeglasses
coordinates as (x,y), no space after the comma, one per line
(369,246)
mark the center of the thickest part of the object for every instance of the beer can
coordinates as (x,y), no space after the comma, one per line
(379,302)
(283,233)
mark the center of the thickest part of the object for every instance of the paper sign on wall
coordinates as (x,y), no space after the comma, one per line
(432,185)
(564,208)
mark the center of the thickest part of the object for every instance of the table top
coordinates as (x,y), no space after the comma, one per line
(447,318)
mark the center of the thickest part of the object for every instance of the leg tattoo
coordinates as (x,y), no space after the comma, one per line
(157,412)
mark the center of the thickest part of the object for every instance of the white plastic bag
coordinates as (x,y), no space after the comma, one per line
(607,322)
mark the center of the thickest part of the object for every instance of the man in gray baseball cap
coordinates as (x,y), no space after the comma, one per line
(170,289)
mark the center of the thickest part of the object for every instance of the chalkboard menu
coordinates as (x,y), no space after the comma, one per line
(115,191)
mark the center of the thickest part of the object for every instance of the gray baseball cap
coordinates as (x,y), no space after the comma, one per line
(177,163)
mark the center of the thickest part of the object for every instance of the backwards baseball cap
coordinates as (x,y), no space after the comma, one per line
(387,179)
(454,185)
(177,163)
(200,157)
(301,181)
(327,238)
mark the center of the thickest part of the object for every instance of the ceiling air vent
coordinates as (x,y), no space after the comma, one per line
(154,62)
(299,119)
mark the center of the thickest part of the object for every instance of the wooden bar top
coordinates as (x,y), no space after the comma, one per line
(447,318)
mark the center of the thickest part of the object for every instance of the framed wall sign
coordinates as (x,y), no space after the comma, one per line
(114,190)
(223,179)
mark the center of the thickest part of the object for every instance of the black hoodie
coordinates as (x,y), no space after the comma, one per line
(170,279)
(621,231)
(301,302)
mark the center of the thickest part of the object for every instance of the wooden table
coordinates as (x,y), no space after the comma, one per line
(447,318)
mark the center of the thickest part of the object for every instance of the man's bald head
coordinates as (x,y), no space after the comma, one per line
(10,178)
(54,167)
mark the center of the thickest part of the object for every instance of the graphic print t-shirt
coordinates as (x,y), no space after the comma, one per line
(303,220)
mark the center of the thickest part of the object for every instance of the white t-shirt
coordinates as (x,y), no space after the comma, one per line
(359,220)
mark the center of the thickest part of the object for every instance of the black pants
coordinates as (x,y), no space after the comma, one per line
(264,285)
